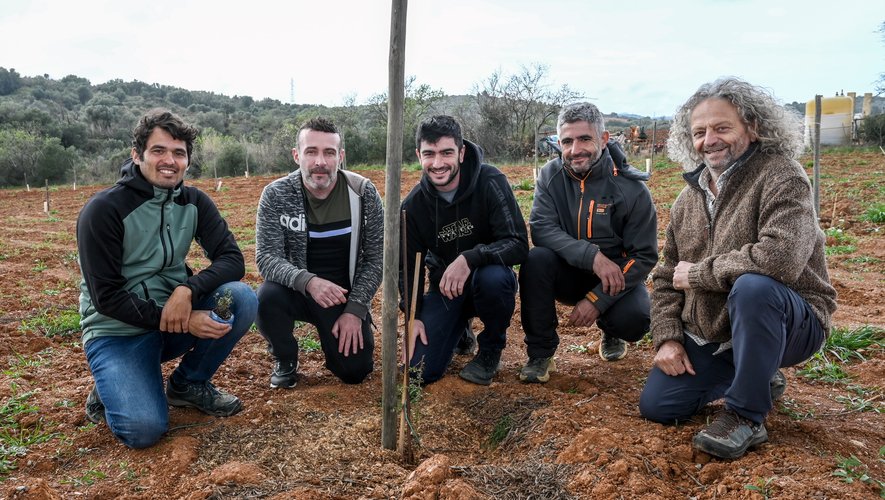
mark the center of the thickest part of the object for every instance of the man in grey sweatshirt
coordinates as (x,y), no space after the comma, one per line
(319,241)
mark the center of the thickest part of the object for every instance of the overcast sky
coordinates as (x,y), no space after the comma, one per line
(626,56)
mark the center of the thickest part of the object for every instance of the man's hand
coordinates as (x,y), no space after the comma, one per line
(176,313)
(584,314)
(348,329)
(680,275)
(417,332)
(609,274)
(453,279)
(325,293)
(204,327)
(672,359)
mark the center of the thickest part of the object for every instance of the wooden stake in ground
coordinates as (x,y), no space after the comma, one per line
(46,203)
(390,290)
(404,445)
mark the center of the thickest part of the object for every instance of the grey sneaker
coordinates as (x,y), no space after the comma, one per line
(482,368)
(729,436)
(285,374)
(612,348)
(467,343)
(94,407)
(537,370)
(204,397)
(778,385)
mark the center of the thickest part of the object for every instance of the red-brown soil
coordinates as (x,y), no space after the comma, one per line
(578,436)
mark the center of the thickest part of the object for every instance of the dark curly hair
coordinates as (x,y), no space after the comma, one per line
(167,121)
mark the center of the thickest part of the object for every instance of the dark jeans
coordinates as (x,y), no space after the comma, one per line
(771,327)
(545,278)
(279,307)
(128,376)
(490,294)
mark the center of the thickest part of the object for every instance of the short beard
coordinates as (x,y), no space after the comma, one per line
(590,162)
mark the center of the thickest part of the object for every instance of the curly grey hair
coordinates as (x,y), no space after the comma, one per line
(581,112)
(779,130)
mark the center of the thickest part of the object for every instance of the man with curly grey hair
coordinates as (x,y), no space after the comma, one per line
(743,289)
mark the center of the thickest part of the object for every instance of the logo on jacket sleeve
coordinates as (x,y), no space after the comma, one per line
(293,223)
(456,229)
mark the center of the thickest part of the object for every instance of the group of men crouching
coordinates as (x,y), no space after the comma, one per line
(742,289)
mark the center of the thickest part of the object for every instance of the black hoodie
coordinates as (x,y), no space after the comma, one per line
(483,222)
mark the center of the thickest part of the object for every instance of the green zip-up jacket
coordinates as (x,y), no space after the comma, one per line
(133,239)
(608,210)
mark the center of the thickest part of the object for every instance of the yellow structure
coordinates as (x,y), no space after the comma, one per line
(835,120)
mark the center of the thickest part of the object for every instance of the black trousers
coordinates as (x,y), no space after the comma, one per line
(545,278)
(279,307)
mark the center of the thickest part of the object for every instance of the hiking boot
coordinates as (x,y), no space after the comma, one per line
(467,342)
(778,386)
(285,374)
(94,407)
(612,348)
(729,435)
(482,368)
(204,397)
(537,370)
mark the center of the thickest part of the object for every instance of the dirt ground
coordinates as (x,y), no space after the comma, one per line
(578,436)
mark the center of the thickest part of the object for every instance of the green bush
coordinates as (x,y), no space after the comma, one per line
(872,130)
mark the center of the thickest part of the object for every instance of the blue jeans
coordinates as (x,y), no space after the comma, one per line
(771,326)
(127,370)
(490,294)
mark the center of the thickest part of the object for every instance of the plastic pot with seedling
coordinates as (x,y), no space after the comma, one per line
(222,311)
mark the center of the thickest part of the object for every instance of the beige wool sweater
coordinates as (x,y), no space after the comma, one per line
(764,223)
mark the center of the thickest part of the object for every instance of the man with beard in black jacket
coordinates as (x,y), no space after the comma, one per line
(594,228)
(463,219)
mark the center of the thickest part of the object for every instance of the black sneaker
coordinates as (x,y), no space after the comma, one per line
(537,370)
(467,342)
(204,397)
(729,436)
(612,348)
(94,407)
(285,374)
(482,368)
(778,385)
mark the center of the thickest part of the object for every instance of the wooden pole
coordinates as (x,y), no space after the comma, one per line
(46,203)
(654,138)
(404,446)
(817,104)
(390,300)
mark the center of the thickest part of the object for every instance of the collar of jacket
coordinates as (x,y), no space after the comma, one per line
(470,168)
(693,177)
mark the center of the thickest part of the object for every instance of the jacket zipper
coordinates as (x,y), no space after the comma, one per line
(580,207)
(590,219)
(166,256)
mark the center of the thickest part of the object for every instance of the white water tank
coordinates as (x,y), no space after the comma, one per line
(835,121)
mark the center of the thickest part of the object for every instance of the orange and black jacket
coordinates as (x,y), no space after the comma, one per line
(609,209)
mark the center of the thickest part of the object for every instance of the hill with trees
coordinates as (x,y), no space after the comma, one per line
(69,130)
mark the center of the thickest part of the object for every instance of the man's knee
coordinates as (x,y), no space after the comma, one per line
(539,260)
(140,433)
(495,277)
(659,405)
(750,290)
(355,374)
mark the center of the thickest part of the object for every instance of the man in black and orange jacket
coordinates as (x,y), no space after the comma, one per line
(594,230)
